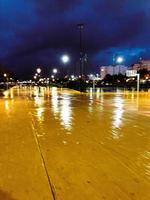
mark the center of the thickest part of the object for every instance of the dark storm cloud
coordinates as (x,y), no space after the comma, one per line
(35,31)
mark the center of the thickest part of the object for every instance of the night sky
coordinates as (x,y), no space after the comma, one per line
(38,32)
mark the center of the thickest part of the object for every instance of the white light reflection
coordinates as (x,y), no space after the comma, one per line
(66,112)
(117,117)
(54,100)
(61,107)
(40,112)
(90,107)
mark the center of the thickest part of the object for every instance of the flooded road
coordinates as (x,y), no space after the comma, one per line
(60,144)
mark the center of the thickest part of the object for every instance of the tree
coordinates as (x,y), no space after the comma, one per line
(143,73)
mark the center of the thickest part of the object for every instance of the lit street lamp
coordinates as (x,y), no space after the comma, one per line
(72,77)
(38,70)
(6,77)
(93,78)
(55,71)
(65,59)
(116,60)
(119,59)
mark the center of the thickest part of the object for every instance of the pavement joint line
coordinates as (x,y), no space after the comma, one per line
(51,187)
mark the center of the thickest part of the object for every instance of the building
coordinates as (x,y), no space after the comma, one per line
(112,70)
(135,67)
(143,64)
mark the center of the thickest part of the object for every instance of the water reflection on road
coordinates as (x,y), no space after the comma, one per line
(95,145)
(99,142)
(61,107)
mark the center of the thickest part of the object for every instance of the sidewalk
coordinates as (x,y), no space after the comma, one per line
(22,176)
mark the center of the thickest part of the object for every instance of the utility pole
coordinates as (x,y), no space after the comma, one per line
(81,27)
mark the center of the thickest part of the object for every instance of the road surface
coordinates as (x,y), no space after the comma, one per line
(60,144)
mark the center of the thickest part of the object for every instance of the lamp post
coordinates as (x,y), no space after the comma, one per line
(38,70)
(119,60)
(65,59)
(116,60)
(81,27)
(138,82)
(6,77)
(55,71)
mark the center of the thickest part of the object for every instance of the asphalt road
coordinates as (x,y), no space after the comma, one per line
(60,144)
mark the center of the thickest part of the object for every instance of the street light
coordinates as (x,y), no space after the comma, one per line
(116,60)
(5,75)
(65,59)
(55,71)
(38,70)
(81,27)
(119,59)
(72,76)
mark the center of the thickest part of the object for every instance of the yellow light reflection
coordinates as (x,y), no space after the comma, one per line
(6,94)
(39,103)
(40,112)
(98,93)
(11,94)
(7,106)
(145,160)
(101,102)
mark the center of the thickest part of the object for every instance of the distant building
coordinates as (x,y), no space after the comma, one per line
(143,64)
(112,70)
(135,67)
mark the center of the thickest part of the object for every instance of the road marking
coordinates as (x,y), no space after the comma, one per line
(51,186)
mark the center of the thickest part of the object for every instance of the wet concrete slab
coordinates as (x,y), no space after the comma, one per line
(94,146)
(22,175)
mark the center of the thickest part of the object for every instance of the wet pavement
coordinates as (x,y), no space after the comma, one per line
(60,144)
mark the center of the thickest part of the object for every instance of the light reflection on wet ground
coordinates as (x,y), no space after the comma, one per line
(96,146)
